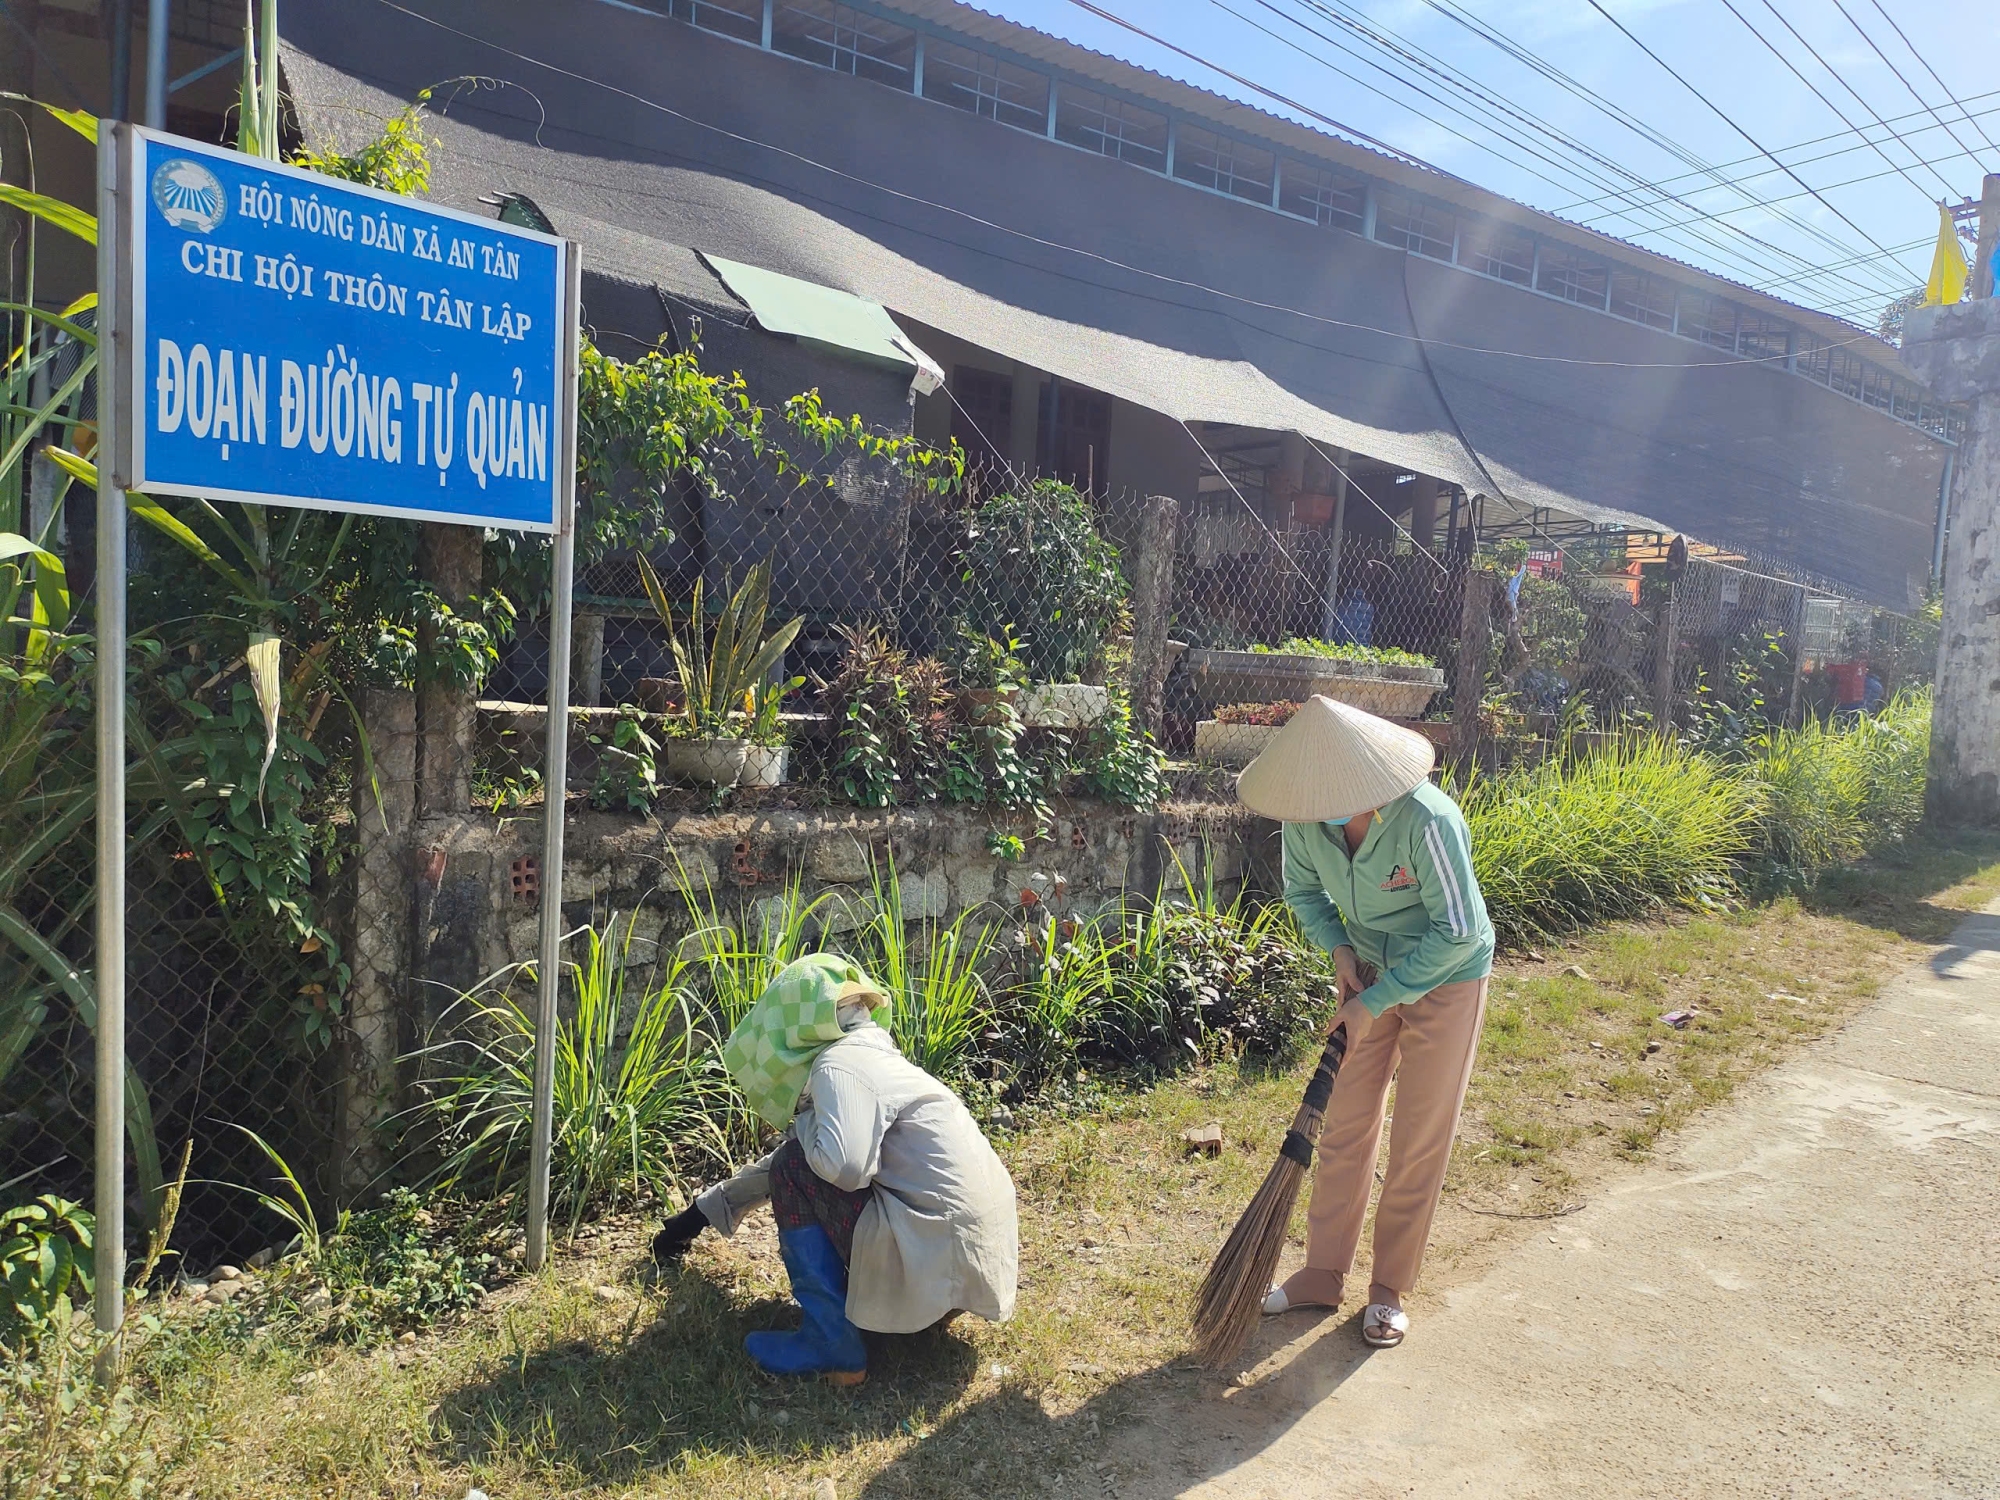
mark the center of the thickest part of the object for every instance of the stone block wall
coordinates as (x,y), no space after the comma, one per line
(473,917)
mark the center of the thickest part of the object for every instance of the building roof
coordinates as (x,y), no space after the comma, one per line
(634,130)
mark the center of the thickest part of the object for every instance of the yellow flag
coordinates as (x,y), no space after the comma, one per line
(1948,269)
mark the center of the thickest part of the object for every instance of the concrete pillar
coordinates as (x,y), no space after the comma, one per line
(1469,678)
(1152,594)
(449,560)
(1424,511)
(1024,438)
(379,947)
(1956,352)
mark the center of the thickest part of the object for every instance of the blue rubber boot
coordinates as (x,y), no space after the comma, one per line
(827,1344)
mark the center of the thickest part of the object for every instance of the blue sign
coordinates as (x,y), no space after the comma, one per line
(303,341)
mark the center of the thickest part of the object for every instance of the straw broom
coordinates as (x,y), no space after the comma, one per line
(1232,1294)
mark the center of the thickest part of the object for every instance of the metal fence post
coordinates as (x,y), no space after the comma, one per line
(113,391)
(555,786)
(1665,651)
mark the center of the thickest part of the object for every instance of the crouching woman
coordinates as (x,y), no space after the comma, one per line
(893,1211)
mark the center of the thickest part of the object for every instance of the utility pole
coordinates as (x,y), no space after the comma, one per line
(1955,351)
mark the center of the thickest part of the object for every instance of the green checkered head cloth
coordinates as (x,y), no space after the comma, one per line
(772,1048)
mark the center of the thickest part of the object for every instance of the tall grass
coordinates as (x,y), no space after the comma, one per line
(638,1104)
(1641,824)
(932,971)
(1833,793)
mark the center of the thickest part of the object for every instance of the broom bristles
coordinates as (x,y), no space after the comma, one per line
(1232,1294)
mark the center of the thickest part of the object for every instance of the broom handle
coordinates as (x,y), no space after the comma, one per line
(1319,1089)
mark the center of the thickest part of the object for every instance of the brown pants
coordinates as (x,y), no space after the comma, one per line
(1427,1046)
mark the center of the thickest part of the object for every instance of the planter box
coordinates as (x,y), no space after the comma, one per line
(1219,744)
(1393,692)
(709,762)
(1064,705)
(765,765)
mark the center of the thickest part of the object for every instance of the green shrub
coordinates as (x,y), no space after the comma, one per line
(45,1249)
(640,1093)
(1641,824)
(393,1267)
(1386,656)
(1034,561)
(1832,793)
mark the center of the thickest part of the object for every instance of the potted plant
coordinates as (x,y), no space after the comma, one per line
(1035,554)
(708,735)
(1379,680)
(1239,732)
(768,758)
(991,675)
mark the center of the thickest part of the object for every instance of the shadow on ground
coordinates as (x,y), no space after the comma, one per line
(605,1412)
(1152,1434)
(1891,890)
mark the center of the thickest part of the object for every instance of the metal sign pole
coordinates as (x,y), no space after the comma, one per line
(113,391)
(555,786)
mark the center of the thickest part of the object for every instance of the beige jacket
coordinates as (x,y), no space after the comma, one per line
(941,1234)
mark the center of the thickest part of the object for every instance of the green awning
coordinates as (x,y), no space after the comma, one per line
(813,314)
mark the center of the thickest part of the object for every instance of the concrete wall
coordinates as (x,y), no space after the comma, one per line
(470,922)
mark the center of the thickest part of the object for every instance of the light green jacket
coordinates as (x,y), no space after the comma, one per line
(1407,902)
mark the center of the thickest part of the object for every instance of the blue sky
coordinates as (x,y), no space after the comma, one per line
(1825,251)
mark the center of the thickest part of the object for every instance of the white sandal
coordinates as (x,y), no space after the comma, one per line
(1383,1326)
(1276,1303)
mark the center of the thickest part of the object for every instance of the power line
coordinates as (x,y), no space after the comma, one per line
(1838,113)
(1912,46)
(1397,47)
(1723,115)
(1707,243)
(1498,39)
(1867,37)
(1804,161)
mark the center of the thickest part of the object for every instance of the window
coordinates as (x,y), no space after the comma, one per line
(1317,194)
(1709,320)
(1643,298)
(1410,224)
(1229,166)
(982,416)
(1761,337)
(1074,449)
(1573,276)
(1111,127)
(741,19)
(841,38)
(1497,250)
(986,85)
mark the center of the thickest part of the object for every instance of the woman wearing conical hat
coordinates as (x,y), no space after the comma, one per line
(1378,871)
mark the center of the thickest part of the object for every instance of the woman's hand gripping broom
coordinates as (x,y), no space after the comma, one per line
(1232,1294)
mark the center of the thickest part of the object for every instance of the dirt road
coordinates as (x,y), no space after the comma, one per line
(1800,1299)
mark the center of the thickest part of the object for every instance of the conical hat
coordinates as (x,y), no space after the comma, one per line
(1333,761)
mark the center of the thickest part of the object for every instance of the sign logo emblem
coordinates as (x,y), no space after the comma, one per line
(1400,879)
(188,195)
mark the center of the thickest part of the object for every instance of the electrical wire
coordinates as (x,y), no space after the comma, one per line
(1804,161)
(1565,142)
(1493,36)
(1099,257)
(1726,119)
(1869,38)
(1838,113)
(1912,48)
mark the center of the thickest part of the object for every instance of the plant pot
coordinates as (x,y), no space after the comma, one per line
(987,706)
(655,694)
(711,762)
(1064,705)
(1220,744)
(1392,692)
(765,765)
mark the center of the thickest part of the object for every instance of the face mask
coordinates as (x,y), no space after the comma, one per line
(1341,822)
